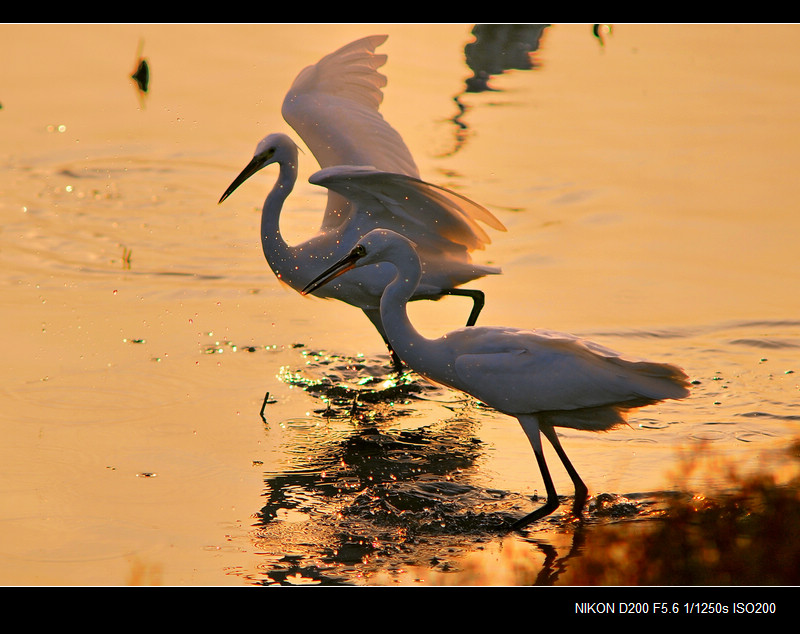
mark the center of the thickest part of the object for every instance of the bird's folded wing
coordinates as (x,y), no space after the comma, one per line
(558,372)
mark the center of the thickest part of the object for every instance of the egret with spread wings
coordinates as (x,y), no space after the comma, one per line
(372,181)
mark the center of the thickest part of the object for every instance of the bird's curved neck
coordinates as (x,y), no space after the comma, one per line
(278,253)
(406,341)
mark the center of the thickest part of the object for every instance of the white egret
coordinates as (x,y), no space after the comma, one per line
(333,105)
(545,379)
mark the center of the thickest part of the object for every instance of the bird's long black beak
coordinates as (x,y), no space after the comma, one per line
(252,167)
(342,266)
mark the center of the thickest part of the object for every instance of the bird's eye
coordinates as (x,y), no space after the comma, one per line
(359,251)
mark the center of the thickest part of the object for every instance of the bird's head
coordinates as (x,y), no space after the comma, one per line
(379,245)
(274,148)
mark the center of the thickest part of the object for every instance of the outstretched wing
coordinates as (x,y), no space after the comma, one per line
(333,106)
(433,217)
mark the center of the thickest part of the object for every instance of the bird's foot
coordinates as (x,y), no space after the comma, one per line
(544,511)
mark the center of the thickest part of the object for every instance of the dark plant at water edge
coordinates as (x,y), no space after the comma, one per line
(744,536)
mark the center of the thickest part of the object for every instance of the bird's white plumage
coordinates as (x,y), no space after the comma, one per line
(334,106)
(372,182)
(402,200)
(546,379)
(525,371)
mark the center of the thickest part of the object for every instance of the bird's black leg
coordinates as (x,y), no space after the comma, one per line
(374,316)
(581,492)
(530,425)
(396,361)
(478,301)
(552,498)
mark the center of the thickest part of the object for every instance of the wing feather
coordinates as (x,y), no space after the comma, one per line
(333,106)
(429,215)
(531,371)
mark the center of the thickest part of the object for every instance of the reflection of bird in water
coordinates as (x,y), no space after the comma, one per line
(372,181)
(495,49)
(545,379)
(501,47)
(498,48)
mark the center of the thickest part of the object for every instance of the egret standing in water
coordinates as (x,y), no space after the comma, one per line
(333,105)
(545,379)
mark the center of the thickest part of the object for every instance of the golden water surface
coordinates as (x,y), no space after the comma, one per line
(648,183)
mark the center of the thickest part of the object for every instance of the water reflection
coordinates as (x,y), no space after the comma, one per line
(496,49)
(377,480)
(366,443)
(554,565)
(381,477)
